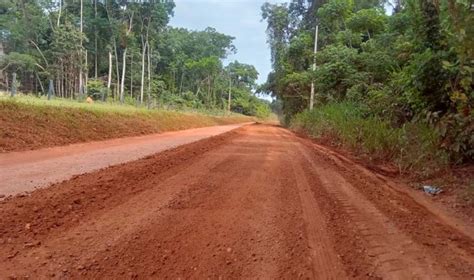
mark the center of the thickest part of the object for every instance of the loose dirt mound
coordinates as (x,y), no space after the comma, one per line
(257,202)
(32,126)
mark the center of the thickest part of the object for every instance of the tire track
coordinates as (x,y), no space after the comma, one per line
(256,204)
(110,227)
(445,238)
(326,264)
(394,255)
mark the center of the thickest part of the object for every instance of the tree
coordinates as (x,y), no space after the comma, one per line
(115,47)
(368,22)
(413,65)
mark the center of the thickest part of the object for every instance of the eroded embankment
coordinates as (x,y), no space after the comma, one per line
(31,126)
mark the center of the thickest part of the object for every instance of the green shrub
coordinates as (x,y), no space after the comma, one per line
(96,89)
(186,100)
(457,132)
(413,146)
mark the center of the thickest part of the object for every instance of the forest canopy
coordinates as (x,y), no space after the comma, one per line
(399,62)
(124,51)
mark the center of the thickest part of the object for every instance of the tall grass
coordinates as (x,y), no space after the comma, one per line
(413,146)
(109,106)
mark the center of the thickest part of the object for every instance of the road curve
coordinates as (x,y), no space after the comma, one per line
(256,202)
(24,171)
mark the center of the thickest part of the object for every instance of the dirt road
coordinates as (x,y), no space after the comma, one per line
(257,202)
(24,171)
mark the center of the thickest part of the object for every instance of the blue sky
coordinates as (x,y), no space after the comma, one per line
(238,18)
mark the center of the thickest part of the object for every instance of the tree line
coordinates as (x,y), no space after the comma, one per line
(123,51)
(399,61)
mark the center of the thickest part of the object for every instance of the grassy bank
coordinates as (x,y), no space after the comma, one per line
(412,147)
(31,123)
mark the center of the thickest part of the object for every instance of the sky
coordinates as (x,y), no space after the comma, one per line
(238,18)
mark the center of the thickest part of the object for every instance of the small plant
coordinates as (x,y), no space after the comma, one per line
(96,89)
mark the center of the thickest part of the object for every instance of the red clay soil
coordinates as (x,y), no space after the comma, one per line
(26,127)
(26,170)
(257,202)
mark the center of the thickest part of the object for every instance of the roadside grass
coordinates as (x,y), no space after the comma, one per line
(413,147)
(108,106)
(30,122)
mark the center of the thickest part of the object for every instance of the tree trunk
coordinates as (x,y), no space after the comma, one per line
(86,74)
(96,56)
(59,12)
(50,89)
(58,85)
(173,82)
(149,74)
(61,79)
(122,82)
(81,86)
(13,90)
(124,61)
(39,81)
(229,98)
(209,95)
(109,78)
(131,75)
(142,84)
(181,83)
(35,86)
(311,98)
(117,70)
(74,83)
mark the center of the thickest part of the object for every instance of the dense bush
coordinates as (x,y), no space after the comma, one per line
(413,146)
(251,106)
(404,81)
(457,132)
(186,100)
(96,89)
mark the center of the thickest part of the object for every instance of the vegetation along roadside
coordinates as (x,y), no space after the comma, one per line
(31,123)
(393,80)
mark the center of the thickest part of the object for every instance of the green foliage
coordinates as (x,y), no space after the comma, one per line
(457,132)
(337,72)
(187,101)
(96,89)
(368,21)
(334,14)
(250,106)
(18,62)
(242,74)
(397,68)
(278,29)
(429,30)
(428,78)
(300,52)
(150,62)
(413,146)
(348,38)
